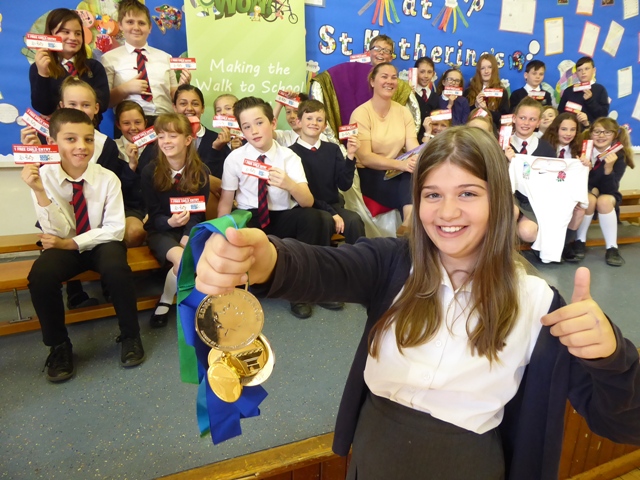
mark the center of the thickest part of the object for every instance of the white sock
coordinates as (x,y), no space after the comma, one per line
(583,228)
(170,288)
(609,227)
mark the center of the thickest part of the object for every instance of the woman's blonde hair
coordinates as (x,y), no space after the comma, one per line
(620,135)
(194,175)
(417,314)
(475,86)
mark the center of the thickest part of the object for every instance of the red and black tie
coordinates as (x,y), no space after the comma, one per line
(80,208)
(314,149)
(176,178)
(523,150)
(71,68)
(263,202)
(141,65)
(424,94)
(561,154)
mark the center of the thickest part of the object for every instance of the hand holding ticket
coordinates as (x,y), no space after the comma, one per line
(346,131)
(38,154)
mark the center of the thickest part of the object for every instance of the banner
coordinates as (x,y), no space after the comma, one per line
(249,47)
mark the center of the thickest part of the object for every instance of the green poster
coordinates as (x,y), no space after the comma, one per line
(246,47)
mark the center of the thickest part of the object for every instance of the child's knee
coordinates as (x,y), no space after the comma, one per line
(527,230)
(605,203)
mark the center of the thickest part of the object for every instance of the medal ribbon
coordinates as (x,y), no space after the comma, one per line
(222,419)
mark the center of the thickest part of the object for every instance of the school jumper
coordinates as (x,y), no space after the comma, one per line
(459,111)
(131,180)
(521,93)
(597,106)
(372,273)
(212,158)
(425,107)
(100,249)
(327,171)
(607,184)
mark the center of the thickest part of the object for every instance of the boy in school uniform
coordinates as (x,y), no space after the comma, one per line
(80,209)
(137,71)
(594,101)
(327,170)
(269,181)
(533,76)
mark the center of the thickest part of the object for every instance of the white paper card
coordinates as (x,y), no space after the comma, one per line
(346,131)
(47,42)
(255,168)
(23,154)
(553,36)
(630,9)
(145,137)
(220,121)
(585,7)
(195,204)
(180,63)
(614,37)
(589,40)
(625,82)
(34,120)
(518,16)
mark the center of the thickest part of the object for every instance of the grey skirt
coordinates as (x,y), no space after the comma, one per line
(394,442)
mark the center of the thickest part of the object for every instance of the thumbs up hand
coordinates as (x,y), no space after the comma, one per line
(581,325)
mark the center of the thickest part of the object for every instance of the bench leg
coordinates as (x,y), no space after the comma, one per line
(17,301)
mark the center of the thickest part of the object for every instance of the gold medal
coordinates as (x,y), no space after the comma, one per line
(224,382)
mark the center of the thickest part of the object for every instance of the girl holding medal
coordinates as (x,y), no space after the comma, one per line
(466,361)
(177,172)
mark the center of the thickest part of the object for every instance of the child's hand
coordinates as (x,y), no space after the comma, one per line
(509,153)
(279,178)
(224,137)
(136,86)
(582,117)
(353,144)
(31,176)
(132,155)
(236,142)
(29,136)
(185,77)
(581,325)
(585,161)
(179,219)
(587,94)
(609,160)
(481,102)
(427,126)
(338,220)
(43,61)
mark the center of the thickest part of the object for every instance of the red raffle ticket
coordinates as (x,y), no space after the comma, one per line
(438,115)
(256,169)
(23,154)
(507,119)
(360,58)
(505,136)
(179,63)
(492,92)
(145,137)
(457,91)
(220,121)
(572,107)
(346,131)
(587,148)
(47,42)
(537,94)
(612,149)
(283,98)
(194,204)
(412,79)
(34,120)
(581,87)
(481,112)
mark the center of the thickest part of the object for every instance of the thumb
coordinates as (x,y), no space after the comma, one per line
(581,285)
(245,237)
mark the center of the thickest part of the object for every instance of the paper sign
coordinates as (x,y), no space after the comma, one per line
(47,42)
(283,98)
(614,37)
(625,82)
(505,136)
(587,148)
(23,154)
(554,35)
(492,92)
(480,112)
(589,40)
(413,78)
(194,204)
(439,115)
(457,91)
(346,131)
(34,120)
(360,58)
(256,169)
(518,16)
(144,138)
(572,107)
(616,147)
(537,95)
(581,87)
(585,7)
(630,9)
(220,121)
(507,119)
(179,63)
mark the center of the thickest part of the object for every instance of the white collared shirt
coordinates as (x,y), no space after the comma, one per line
(308,146)
(246,186)
(530,89)
(121,66)
(103,194)
(286,137)
(443,378)
(64,62)
(532,143)
(99,139)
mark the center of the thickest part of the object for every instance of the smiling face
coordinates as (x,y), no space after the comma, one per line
(174,146)
(75,144)
(602,138)
(485,71)
(385,83)
(454,212)
(292,118)
(425,74)
(135,28)
(188,103)
(526,121)
(567,132)
(131,123)
(380,52)
(311,126)
(257,129)
(547,118)
(585,72)
(71,34)
(80,98)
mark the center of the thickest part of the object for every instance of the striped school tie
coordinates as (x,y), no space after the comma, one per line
(141,65)
(561,155)
(71,68)
(263,203)
(80,208)
(176,178)
(524,148)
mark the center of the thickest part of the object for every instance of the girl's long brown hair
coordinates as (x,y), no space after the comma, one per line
(57,17)
(475,86)
(417,314)
(620,135)
(194,175)
(551,134)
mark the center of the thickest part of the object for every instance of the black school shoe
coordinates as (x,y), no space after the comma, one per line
(568,254)
(301,310)
(579,249)
(332,305)
(613,258)
(159,321)
(81,300)
(132,353)
(59,363)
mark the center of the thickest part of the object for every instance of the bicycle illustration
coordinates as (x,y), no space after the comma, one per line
(278,9)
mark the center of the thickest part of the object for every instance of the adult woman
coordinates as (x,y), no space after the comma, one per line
(487,76)
(385,129)
(458,105)
(455,374)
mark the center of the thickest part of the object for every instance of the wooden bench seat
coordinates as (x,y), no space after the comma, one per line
(25,242)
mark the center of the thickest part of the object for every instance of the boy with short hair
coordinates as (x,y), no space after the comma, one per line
(137,71)
(289,137)
(269,181)
(594,101)
(327,170)
(80,209)
(533,76)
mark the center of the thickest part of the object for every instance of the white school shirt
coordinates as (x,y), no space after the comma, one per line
(246,186)
(553,196)
(532,143)
(121,66)
(99,140)
(530,89)
(443,378)
(103,194)
(286,138)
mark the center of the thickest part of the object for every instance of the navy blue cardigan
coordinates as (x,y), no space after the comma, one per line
(372,272)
